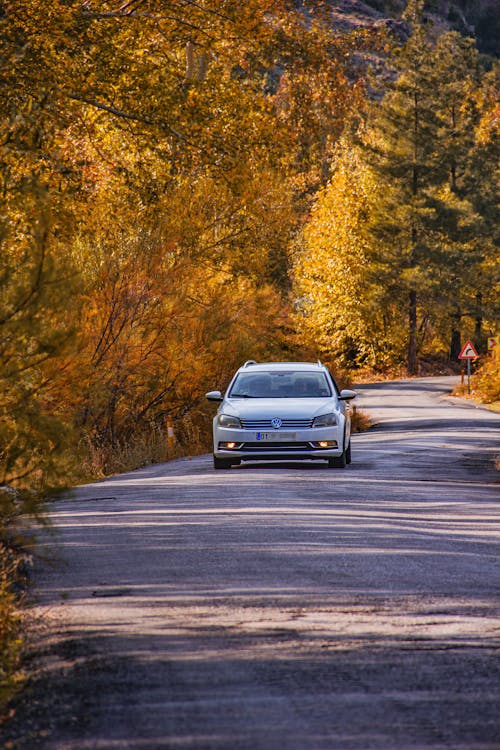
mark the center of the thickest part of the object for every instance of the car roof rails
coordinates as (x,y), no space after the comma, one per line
(251,362)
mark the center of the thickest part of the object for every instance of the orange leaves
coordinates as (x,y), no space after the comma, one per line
(176,151)
(317,93)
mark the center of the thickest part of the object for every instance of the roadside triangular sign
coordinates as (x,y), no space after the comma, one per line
(468,351)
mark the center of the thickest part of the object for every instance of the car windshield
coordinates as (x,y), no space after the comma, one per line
(280,384)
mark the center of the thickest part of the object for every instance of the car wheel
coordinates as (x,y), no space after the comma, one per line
(348,453)
(342,461)
(337,463)
(221,463)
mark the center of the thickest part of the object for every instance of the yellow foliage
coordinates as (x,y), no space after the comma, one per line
(172,200)
(335,271)
(486,381)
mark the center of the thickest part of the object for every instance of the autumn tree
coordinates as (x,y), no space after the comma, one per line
(36,275)
(320,86)
(400,146)
(188,196)
(464,230)
(176,153)
(418,143)
(480,188)
(426,238)
(396,157)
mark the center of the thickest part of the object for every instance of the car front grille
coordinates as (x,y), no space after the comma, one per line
(287,424)
(274,447)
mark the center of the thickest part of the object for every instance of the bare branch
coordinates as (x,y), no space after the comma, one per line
(126,115)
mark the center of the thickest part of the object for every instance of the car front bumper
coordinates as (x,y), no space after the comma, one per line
(252,445)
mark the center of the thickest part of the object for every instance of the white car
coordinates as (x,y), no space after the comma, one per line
(282,411)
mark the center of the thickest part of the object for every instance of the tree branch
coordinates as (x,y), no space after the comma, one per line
(127,116)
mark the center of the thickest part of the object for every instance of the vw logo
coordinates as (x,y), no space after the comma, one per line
(276,423)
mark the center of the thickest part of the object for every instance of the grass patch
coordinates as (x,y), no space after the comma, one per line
(192,436)
(360,420)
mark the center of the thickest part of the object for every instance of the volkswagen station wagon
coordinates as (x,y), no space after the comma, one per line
(275,411)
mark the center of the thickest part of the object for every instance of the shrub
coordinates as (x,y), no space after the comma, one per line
(486,383)
(13,565)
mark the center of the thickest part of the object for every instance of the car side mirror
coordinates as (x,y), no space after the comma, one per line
(347,395)
(214,396)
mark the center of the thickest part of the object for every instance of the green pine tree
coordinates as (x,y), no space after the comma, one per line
(419,143)
(399,144)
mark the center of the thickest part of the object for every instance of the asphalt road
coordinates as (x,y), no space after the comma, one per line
(282,607)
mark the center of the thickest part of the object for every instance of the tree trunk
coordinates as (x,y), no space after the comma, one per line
(412,333)
(455,344)
(478,328)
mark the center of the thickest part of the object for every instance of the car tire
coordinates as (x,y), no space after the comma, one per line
(337,463)
(342,461)
(222,463)
(348,453)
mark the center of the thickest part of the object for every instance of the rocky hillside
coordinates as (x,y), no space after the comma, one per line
(476,18)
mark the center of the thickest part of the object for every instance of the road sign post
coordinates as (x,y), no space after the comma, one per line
(468,353)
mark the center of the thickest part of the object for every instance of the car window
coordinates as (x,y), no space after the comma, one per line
(281,384)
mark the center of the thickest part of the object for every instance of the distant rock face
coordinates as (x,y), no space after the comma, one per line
(399,29)
(486,22)
(476,18)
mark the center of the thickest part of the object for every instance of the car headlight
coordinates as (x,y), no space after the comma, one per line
(325,420)
(226,420)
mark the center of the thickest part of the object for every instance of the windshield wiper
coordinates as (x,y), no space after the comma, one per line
(242,395)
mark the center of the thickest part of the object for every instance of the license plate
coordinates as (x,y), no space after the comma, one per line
(278,436)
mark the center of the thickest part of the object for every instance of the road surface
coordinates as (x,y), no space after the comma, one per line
(282,607)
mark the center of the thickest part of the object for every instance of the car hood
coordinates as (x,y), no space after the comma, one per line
(286,408)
